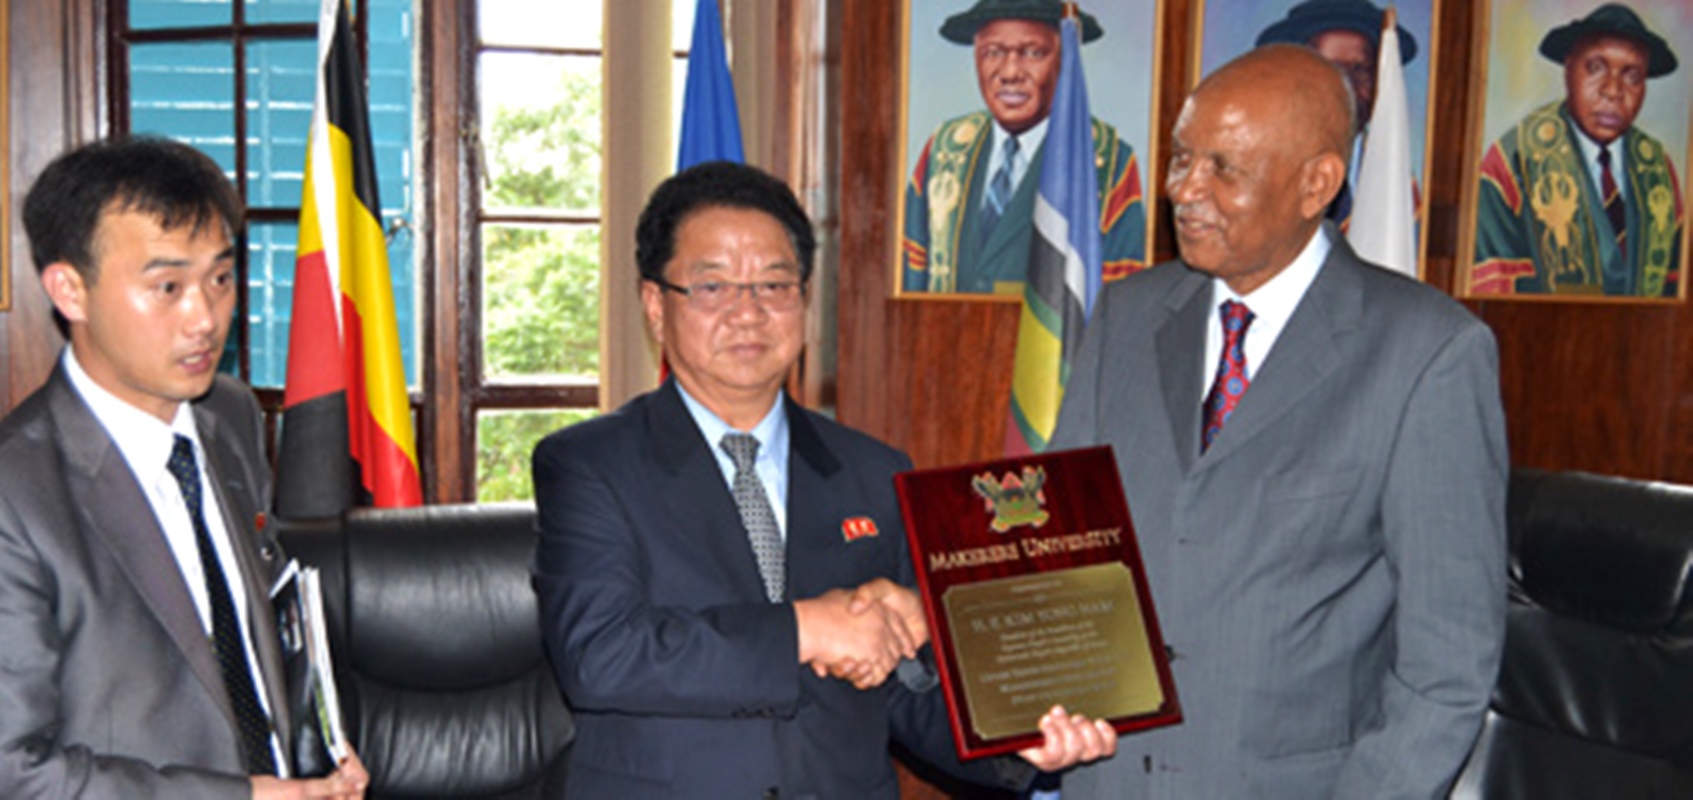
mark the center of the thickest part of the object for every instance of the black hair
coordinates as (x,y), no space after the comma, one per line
(718,184)
(175,184)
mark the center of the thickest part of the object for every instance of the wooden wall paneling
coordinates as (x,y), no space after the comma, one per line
(1586,386)
(54,96)
(931,376)
(868,98)
(1604,387)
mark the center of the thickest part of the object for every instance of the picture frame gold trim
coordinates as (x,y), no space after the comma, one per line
(1523,66)
(1241,21)
(1147,48)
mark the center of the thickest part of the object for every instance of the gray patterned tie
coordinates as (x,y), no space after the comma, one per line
(226,631)
(756,515)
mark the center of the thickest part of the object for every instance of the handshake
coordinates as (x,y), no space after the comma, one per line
(860,635)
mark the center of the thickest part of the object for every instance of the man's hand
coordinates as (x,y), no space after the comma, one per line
(347,782)
(896,599)
(1071,739)
(862,648)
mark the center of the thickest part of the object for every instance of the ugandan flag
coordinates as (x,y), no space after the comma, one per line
(346,421)
(1065,262)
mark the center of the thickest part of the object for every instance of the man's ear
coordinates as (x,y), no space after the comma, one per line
(652,302)
(1320,183)
(67,289)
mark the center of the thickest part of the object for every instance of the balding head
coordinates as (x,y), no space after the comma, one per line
(1258,153)
(1297,91)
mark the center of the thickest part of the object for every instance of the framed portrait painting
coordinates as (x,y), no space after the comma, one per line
(1574,190)
(976,91)
(1348,33)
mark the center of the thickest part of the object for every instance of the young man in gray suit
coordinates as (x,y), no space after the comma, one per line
(140,657)
(1323,529)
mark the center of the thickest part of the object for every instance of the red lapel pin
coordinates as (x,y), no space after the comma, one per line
(858,528)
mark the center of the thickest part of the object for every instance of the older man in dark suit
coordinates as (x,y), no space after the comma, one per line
(700,547)
(140,658)
(1323,527)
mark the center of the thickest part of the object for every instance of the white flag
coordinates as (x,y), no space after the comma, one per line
(1383,227)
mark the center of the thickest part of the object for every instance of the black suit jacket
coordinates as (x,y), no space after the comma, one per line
(684,679)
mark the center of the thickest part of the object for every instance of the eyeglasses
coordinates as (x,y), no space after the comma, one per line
(713,296)
(1029,52)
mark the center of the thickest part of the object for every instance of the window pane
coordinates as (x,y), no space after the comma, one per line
(267,11)
(504,440)
(541,132)
(575,24)
(179,13)
(270,299)
(540,302)
(281,85)
(186,90)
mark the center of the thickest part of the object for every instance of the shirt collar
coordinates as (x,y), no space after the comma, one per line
(1272,304)
(1590,156)
(1028,142)
(771,431)
(144,440)
(1279,296)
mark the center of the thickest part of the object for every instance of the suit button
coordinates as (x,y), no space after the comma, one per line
(772,793)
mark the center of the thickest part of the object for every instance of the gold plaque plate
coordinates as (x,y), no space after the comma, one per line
(1027,642)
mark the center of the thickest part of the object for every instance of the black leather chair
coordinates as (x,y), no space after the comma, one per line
(449,695)
(433,626)
(1595,692)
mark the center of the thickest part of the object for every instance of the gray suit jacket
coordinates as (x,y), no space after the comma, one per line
(1330,574)
(109,687)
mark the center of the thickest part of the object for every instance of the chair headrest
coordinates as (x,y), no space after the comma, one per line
(1609,550)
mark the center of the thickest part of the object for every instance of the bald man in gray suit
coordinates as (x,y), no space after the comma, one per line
(130,666)
(1322,527)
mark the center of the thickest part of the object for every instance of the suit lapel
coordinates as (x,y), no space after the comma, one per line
(1307,351)
(694,494)
(124,522)
(812,521)
(1180,361)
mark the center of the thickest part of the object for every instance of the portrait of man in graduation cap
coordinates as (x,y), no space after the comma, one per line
(980,78)
(1577,190)
(1348,34)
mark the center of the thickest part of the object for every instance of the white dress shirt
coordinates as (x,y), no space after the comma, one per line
(1272,306)
(146,443)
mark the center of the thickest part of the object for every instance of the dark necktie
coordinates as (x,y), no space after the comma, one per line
(1231,380)
(999,187)
(226,631)
(1613,200)
(756,514)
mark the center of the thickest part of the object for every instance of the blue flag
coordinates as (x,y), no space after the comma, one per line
(1065,266)
(711,125)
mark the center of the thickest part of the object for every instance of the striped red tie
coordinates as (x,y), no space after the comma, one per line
(1231,380)
(1613,200)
